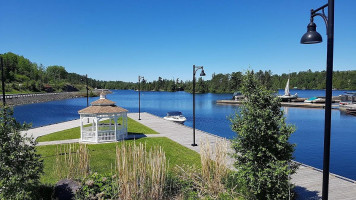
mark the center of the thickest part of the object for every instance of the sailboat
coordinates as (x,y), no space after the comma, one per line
(287,96)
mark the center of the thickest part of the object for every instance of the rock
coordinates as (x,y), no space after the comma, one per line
(66,189)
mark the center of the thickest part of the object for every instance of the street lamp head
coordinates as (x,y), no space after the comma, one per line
(311,36)
(202,73)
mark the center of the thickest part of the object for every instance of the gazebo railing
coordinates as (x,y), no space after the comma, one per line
(106,135)
(88,135)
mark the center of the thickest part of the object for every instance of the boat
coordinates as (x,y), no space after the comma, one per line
(315,100)
(287,96)
(237,96)
(175,116)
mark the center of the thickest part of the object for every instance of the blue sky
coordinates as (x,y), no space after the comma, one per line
(121,39)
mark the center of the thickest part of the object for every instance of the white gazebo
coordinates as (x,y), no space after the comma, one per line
(107,122)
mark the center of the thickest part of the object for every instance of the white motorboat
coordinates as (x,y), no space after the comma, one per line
(175,116)
(287,96)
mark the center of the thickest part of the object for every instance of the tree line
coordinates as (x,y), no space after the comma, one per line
(22,75)
(231,82)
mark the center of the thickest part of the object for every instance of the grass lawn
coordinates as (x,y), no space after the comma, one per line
(133,127)
(102,156)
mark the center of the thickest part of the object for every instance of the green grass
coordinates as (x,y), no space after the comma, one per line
(102,156)
(73,133)
(133,127)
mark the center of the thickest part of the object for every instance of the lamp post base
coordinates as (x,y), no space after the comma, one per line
(194,145)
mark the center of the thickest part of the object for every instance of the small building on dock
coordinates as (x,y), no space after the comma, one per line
(107,122)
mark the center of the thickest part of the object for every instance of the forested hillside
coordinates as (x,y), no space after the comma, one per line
(22,75)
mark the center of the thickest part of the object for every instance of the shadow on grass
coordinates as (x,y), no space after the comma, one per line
(135,133)
(134,136)
(303,193)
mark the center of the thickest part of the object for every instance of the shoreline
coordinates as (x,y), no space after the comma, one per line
(23,99)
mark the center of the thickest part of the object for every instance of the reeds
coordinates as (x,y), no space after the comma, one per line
(214,165)
(72,161)
(208,181)
(141,173)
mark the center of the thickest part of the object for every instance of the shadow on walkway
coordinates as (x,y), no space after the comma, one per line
(303,193)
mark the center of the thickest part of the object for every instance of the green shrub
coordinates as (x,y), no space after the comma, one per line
(97,186)
(20,165)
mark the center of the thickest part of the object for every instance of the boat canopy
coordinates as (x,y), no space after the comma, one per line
(174,113)
(313,98)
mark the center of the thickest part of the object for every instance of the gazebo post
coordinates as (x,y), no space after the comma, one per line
(81,127)
(96,131)
(125,123)
(93,125)
(115,121)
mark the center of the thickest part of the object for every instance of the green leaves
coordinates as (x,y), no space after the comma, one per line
(20,165)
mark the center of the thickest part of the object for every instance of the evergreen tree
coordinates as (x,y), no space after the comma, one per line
(262,151)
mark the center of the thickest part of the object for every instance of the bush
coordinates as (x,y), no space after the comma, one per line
(97,186)
(263,153)
(20,165)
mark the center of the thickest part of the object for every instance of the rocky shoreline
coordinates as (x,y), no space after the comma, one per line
(21,99)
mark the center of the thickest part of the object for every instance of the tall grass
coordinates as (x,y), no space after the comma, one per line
(208,182)
(72,161)
(141,173)
(214,165)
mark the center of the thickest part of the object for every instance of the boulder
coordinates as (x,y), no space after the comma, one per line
(66,189)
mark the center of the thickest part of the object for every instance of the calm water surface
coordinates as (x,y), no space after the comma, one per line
(214,118)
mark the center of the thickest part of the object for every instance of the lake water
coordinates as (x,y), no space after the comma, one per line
(214,118)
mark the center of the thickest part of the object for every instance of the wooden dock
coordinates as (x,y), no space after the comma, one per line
(283,104)
(308,180)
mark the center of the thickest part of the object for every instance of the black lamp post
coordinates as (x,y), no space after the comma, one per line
(2,81)
(86,79)
(139,95)
(312,37)
(195,69)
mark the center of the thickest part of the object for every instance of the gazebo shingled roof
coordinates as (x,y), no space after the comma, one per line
(102,106)
(102,110)
(103,102)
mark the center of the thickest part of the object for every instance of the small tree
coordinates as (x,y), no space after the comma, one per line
(262,151)
(20,166)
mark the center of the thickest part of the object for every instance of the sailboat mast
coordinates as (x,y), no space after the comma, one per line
(286,90)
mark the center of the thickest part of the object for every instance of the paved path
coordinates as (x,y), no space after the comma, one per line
(58,142)
(45,130)
(308,180)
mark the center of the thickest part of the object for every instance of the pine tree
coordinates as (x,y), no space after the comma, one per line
(262,151)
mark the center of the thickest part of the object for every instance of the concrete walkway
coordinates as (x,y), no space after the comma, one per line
(308,180)
(45,130)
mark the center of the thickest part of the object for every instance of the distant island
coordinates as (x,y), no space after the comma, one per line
(24,76)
